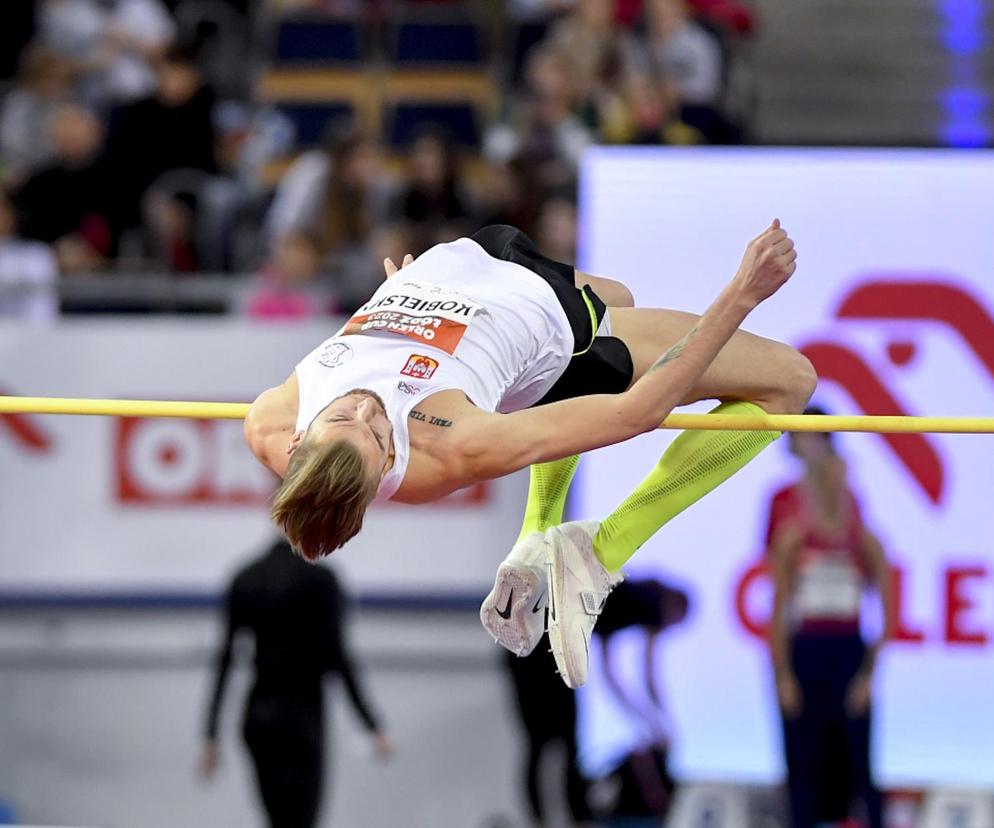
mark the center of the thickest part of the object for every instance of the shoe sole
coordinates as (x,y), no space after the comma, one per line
(557,578)
(526,584)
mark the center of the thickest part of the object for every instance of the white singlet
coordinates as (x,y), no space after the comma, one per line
(456,318)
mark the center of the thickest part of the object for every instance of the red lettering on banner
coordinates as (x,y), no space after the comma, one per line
(903,631)
(758,627)
(25,430)
(752,612)
(958,605)
(186,462)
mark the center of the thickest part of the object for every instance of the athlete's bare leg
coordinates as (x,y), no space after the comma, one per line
(613,293)
(773,375)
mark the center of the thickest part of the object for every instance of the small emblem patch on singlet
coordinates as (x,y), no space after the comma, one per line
(419,367)
(407,388)
(334,354)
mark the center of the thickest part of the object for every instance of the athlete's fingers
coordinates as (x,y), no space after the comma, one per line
(389,267)
(774,236)
(774,225)
(784,245)
(408,259)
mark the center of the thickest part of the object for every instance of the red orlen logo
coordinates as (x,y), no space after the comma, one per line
(186,462)
(887,297)
(25,430)
(419,367)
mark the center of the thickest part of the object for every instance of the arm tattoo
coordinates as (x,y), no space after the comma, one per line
(431,420)
(674,352)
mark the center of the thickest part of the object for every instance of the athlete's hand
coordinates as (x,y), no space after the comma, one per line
(769,261)
(789,694)
(858,695)
(390,268)
(208,761)
(382,745)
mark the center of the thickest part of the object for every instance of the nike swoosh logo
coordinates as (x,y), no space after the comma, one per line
(506,612)
(537,607)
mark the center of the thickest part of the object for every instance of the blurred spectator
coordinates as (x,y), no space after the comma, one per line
(734,16)
(526,9)
(113,43)
(593,47)
(544,135)
(643,785)
(63,204)
(43,83)
(171,132)
(287,286)
(823,556)
(340,195)
(690,57)
(16,32)
(349,9)
(547,711)
(644,110)
(555,232)
(625,12)
(433,200)
(295,612)
(28,272)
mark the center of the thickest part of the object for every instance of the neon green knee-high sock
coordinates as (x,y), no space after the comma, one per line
(694,464)
(547,488)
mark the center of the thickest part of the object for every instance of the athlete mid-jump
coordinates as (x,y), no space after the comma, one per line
(482,357)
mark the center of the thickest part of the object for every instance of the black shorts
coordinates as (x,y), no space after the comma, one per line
(600,364)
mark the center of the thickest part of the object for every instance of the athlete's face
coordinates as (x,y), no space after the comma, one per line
(360,418)
(812,448)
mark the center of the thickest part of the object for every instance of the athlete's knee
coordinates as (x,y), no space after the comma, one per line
(797,381)
(621,296)
(614,294)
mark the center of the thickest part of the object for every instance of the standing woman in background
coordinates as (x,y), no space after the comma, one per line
(822,558)
(294,610)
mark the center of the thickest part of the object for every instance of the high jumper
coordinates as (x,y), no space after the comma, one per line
(483,357)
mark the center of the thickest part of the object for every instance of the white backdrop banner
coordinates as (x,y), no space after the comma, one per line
(100,505)
(893,301)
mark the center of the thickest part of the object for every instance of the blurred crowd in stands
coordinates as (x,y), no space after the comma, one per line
(306,140)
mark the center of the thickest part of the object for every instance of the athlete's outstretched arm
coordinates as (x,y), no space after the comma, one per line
(573,426)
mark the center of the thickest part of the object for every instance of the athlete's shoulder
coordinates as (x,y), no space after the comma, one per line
(272,414)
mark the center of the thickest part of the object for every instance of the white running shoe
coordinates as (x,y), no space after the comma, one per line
(578,589)
(514,611)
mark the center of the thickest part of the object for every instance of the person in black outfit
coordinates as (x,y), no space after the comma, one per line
(643,785)
(171,132)
(294,610)
(547,709)
(63,203)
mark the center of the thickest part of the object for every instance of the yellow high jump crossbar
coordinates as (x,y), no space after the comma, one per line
(707,422)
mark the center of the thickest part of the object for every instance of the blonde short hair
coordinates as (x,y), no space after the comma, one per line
(323,498)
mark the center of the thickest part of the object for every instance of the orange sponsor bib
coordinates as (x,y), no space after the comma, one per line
(425,313)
